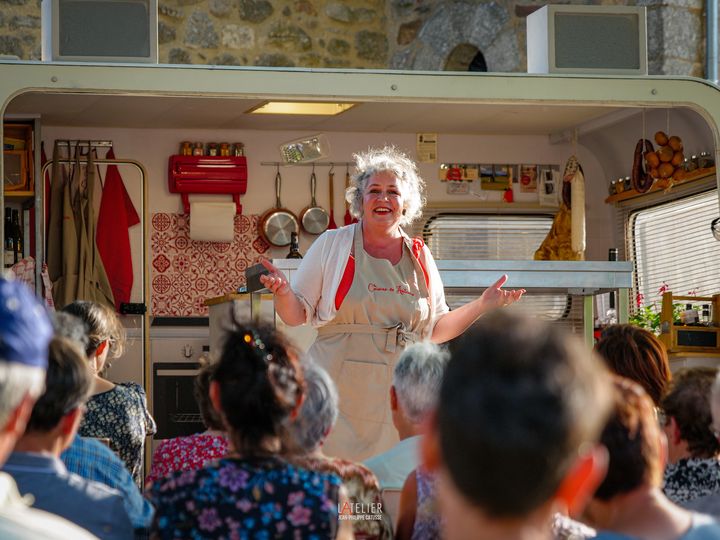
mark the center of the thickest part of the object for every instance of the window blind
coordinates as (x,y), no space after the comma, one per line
(463,236)
(671,244)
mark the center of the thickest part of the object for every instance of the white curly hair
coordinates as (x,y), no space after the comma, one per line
(387,159)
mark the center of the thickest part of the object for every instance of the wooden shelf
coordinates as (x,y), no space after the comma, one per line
(697,174)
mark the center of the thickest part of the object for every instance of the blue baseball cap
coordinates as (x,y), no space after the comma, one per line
(25,329)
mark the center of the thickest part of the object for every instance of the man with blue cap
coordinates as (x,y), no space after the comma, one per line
(25,333)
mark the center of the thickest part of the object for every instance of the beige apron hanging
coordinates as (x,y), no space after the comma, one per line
(54,240)
(385,309)
(84,276)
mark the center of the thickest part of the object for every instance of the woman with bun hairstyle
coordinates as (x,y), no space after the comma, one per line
(117,412)
(253,492)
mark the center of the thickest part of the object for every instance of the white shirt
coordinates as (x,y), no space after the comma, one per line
(394,466)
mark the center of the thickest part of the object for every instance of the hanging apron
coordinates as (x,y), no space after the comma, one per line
(54,238)
(83,276)
(385,310)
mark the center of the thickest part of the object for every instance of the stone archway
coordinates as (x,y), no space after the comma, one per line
(482,26)
(466,57)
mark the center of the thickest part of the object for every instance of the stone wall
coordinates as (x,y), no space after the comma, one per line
(396,34)
(299,33)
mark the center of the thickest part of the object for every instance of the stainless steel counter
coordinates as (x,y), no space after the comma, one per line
(583,278)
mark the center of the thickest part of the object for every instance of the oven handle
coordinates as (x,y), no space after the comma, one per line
(177,372)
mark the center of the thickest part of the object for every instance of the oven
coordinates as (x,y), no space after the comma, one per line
(177,346)
(176,411)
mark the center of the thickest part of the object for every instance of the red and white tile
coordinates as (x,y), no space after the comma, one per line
(185,272)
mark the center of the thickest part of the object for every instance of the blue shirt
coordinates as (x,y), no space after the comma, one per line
(93,460)
(91,505)
(703,528)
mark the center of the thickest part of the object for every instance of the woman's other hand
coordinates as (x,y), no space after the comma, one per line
(495,296)
(275,281)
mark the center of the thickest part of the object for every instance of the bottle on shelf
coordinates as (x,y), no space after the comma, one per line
(611,313)
(8,250)
(294,247)
(690,315)
(705,318)
(17,236)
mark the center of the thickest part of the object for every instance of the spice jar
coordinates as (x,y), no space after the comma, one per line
(224,149)
(239,149)
(212,149)
(198,149)
(612,187)
(619,185)
(705,161)
(186,148)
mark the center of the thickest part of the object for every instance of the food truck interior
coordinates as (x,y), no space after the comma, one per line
(492,149)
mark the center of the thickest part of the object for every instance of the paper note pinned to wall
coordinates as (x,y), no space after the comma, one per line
(427,147)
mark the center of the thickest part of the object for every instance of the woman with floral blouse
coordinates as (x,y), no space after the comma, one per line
(253,492)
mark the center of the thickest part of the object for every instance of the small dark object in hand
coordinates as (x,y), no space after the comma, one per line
(252,277)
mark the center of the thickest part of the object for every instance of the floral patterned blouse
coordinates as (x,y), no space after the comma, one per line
(427,516)
(253,498)
(362,487)
(121,415)
(186,453)
(691,478)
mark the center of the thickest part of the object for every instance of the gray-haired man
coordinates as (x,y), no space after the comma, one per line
(413,394)
(25,332)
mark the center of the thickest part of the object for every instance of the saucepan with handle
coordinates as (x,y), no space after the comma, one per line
(314,219)
(277,224)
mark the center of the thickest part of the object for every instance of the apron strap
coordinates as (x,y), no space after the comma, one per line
(395,335)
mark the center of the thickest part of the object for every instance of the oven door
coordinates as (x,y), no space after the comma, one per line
(176,412)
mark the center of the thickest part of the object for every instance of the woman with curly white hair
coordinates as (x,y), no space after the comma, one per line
(370,290)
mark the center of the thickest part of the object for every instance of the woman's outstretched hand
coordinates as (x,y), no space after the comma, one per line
(275,281)
(495,296)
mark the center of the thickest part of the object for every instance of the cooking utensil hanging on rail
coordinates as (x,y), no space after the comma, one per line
(314,219)
(331,194)
(277,224)
(348,219)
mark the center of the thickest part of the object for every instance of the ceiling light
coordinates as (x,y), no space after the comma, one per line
(301,107)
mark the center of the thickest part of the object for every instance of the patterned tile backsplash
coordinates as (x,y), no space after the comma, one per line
(185,272)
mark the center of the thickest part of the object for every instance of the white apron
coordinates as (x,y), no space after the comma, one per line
(385,309)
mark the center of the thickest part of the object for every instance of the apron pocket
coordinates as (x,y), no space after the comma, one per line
(363,389)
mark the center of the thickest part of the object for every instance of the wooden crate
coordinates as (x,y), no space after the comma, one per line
(18,157)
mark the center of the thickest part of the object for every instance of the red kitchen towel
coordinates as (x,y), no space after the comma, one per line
(117,215)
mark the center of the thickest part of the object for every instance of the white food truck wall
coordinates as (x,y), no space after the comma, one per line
(153,147)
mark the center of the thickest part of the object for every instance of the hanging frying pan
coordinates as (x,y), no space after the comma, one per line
(348,219)
(314,219)
(331,195)
(277,224)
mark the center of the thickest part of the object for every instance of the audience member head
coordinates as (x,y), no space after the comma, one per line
(318,412)
(715,407)
(25,332)
(686,407)
(70,327)
(105,331)
(201,392)
(416,383)
(634,442)
(67,386)
(521,406)
(257,385)
(636,354)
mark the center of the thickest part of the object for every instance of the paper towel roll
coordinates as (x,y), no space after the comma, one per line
(212,221)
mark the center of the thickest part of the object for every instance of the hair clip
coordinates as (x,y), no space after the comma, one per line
(253,339)
(284,376)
